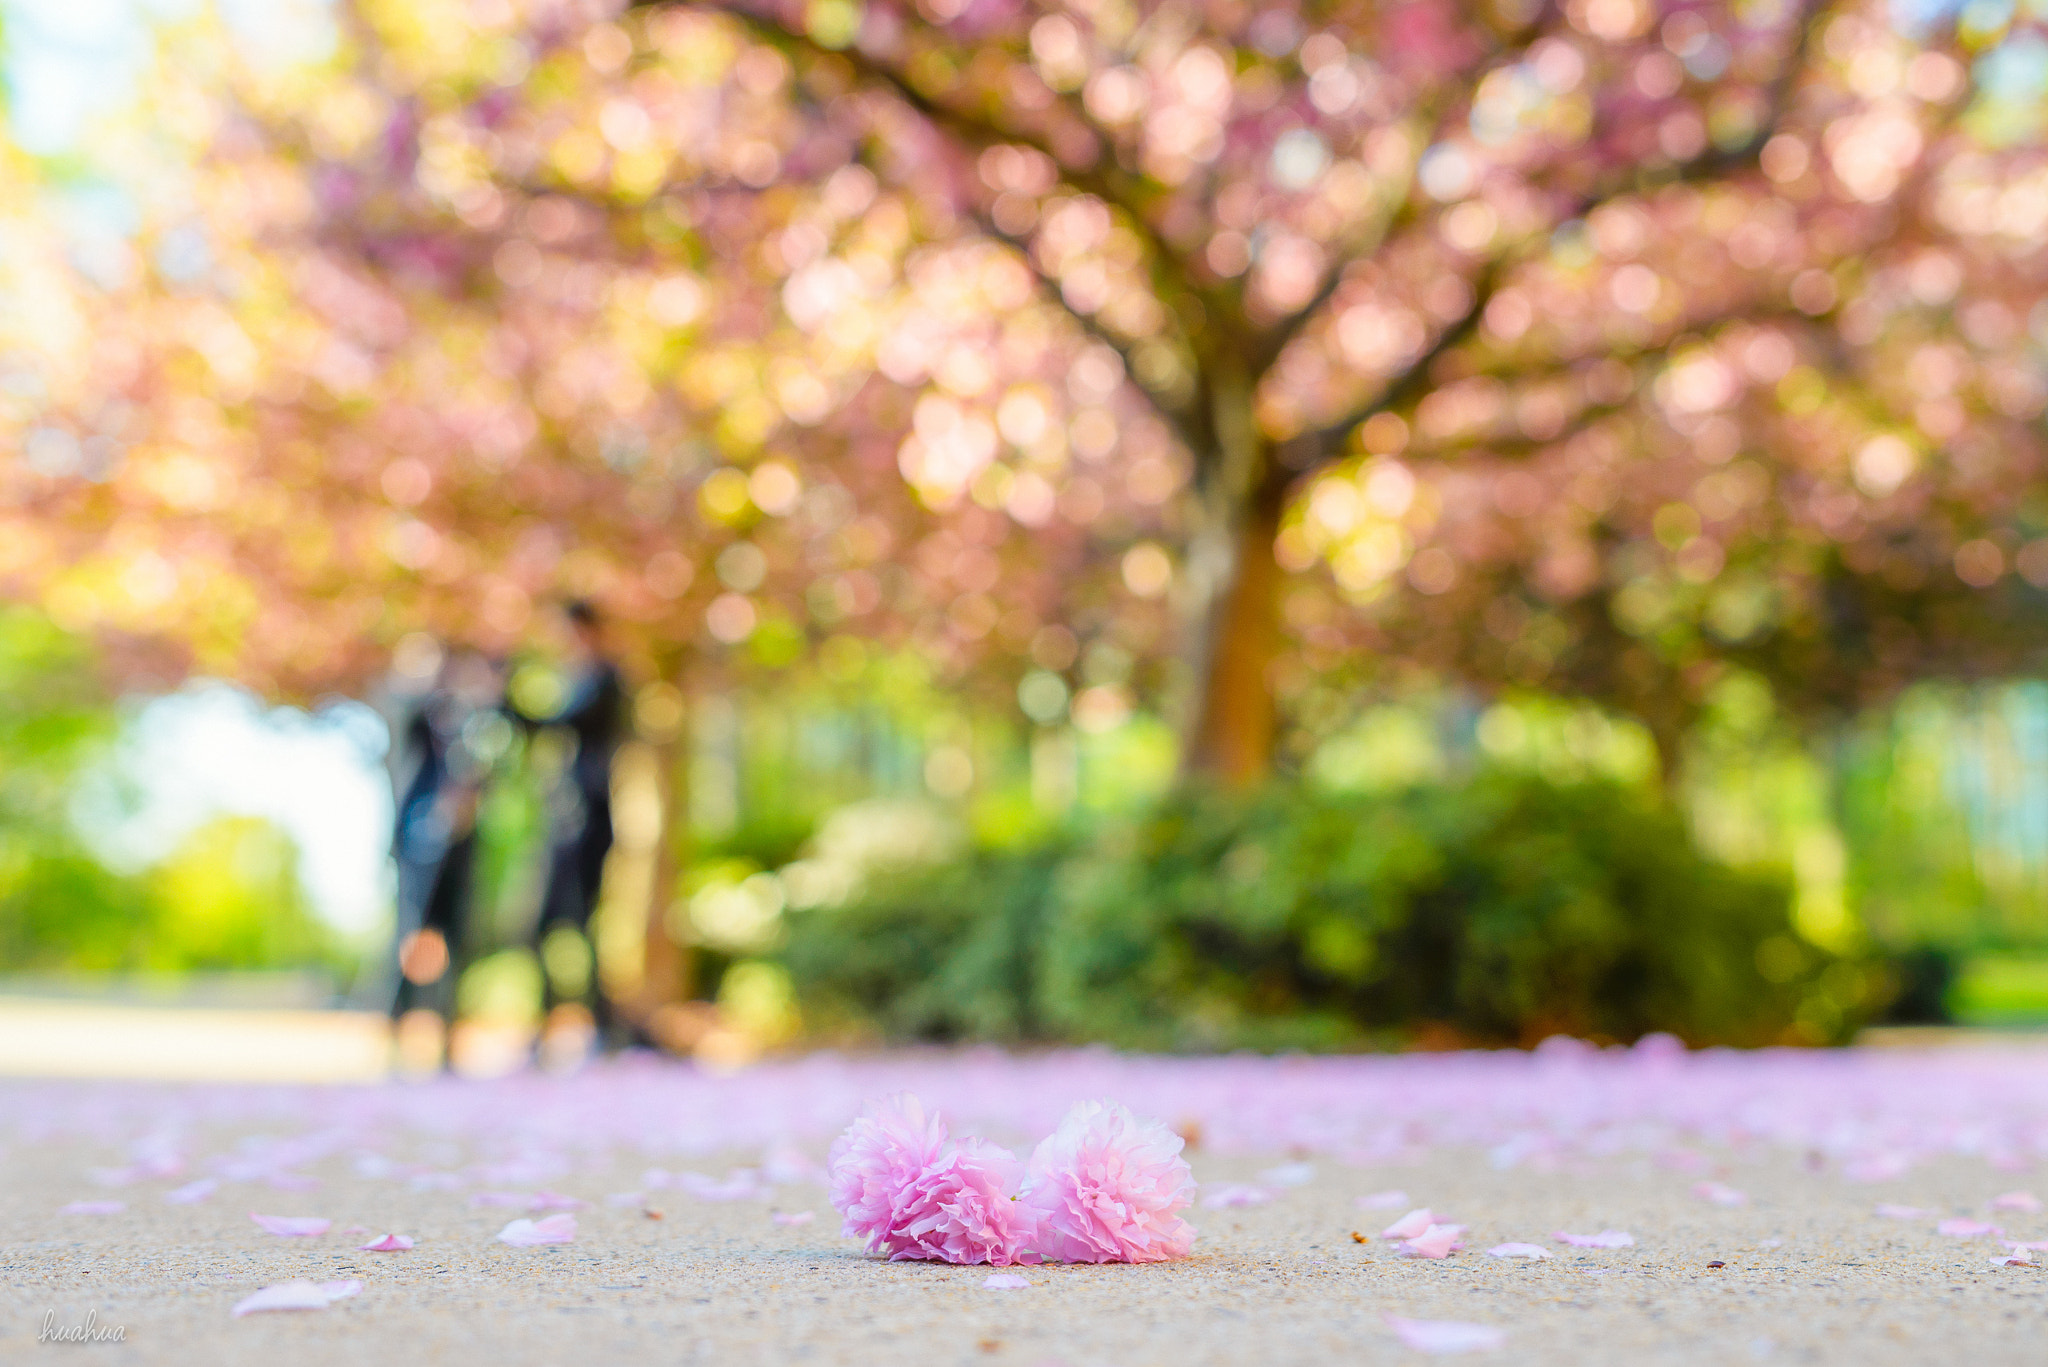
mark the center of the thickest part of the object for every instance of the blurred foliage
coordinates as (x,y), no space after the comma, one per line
(228,897)
(1498,908)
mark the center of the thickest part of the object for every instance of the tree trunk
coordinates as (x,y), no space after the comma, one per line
(1231,597)
(1236,721)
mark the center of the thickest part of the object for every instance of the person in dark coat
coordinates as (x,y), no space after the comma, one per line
(592,716)
(440,775)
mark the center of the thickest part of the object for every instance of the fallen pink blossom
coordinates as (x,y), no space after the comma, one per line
(1409,1225)
(1967,1229)
(296,1296)
(1720,1194)
(1606,1238)
(1108,1187)
(292,1226)
(1897,1212)
(1446,1336)
(1383,1200)
(1518,1251)
(1005,1281)
(2023,1201)
(2014,1260)
(94,1208)
(523,1233)
(193,1192)
(1231,1195)
(390,1243)
(793,1217)
(484,1199)
(1438,1241)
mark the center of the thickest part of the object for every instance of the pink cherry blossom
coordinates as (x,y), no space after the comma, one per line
(1107,1187)
(2023,1201)
(961,1209)
(875,1162)
(909,1194)
(390,1243)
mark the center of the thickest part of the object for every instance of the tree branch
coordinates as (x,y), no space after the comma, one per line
(1407,385)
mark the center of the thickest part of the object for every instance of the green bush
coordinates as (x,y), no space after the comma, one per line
(1496,909)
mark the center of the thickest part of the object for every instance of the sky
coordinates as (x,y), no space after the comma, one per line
(66,63)
(214,749)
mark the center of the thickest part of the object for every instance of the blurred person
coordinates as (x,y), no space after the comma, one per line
(590,718)
(440,764)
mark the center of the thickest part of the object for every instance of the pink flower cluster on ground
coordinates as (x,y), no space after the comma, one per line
(1103,1187)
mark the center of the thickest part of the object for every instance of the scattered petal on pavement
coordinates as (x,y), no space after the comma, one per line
(1446,1336)
(296,1296)
(555,1229)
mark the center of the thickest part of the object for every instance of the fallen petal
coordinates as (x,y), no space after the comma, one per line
(1409,1226)
(1229,1195)
(1518,1251)
(554,1200)
(1004,1281)
(1966,1229)
(1896,1212)
(2023,1201)
(1290,1174)
(292,1226)
(390,1243)
(793,1217)
(1446,1336)
(296,1296)
(1438,1241)
(1606,1238)
(94,1208)
(556,1229)
(193,1192)
(1720,1194)
(1383,1200)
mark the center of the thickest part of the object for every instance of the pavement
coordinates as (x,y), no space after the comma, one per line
(1807,1272)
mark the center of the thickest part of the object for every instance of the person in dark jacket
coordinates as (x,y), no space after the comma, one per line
(439,774)
(591,716)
